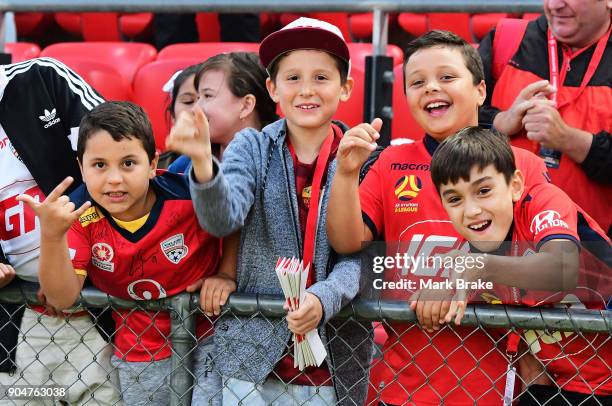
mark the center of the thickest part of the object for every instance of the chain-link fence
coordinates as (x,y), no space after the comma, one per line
(377,354)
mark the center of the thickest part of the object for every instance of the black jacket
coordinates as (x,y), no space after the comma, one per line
(41,105)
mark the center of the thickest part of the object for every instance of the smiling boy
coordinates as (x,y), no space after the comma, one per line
(398,203)
(133,233)
(274,185)
(488,203)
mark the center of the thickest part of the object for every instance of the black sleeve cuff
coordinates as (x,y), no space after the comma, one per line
(368,222)
(598,163)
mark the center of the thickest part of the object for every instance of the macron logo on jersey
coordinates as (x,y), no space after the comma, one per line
(49,118)
(546,219)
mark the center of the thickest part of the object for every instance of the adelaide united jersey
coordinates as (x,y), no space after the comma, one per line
(168,253)
(401,206)
(577,362)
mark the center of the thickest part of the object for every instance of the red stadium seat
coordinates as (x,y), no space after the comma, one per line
(459,23)
(359,50)
(126,57)
(204,50)
(340,20)
(101,76)
(531,16)
(209,29)
(32,24)
(21,51)
(403,125)
(136,25)
(483,23)
(106,26)
(100,26)
(148,93)
(70,22)
(361,24)
(351,111)
(413,24)
(268,23)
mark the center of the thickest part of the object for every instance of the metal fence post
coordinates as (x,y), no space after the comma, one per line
(184,341)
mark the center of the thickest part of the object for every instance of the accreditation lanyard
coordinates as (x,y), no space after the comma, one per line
(557,76)
(315,192)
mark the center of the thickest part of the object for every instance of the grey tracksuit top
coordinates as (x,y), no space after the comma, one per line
(254,190)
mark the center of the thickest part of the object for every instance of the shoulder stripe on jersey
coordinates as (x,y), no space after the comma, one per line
(78,86)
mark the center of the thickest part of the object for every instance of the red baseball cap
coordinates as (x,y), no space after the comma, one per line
(304,33)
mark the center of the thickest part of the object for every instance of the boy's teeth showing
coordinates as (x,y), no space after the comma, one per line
(308,106)
(438,107)
(480,226)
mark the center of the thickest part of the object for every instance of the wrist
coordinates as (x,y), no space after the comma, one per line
(52,237)
(578,144)
(202,169)
(504,123)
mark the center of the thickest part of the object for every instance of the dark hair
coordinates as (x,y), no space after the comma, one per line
(245,75)
(471,146)
(446,39)
(176,85)
(122,120)
(341,64)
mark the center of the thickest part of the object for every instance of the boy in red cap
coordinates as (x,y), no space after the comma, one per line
(272,184)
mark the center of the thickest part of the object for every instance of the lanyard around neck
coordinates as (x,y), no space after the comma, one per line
(315,192)
(558,78)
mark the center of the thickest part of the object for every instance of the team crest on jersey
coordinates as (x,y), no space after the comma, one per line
(174,248)
(102,256)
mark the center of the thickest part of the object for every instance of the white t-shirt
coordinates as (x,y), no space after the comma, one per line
(19,227)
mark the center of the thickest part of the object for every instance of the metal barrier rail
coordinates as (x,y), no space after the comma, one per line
(470,6)
(242,304)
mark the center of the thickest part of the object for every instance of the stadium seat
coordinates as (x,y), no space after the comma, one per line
(483,23)
(531,16)
(106,26)
(359,50)
(100,26)
(459,23)
(340,20)
(403,125)
(21,51)
(101,76)
(69,22)
(208,26)
(204,50)
(32,24)
(413,24)
(126,57)
(361,25)
(148,93)
(136,25)
(351,111)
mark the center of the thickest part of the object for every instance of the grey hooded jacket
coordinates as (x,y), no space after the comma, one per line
(254,190)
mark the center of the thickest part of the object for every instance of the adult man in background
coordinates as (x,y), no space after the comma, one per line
(558,107)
